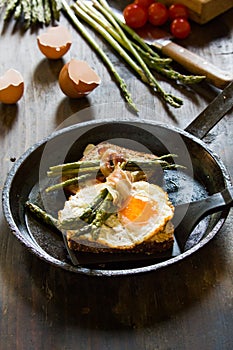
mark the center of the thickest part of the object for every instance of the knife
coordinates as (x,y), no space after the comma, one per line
(161,40)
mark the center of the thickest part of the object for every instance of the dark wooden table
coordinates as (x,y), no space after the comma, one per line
(186,306)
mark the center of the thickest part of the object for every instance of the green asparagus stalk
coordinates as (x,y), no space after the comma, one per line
(172,100)
(142,69)
(174,75)
(138,176)
(2,3)
(18,11)
(73,181)
(88,166)
(106,209)
(27,12)
(74,171)
(103,201)
(127,29)
(151,60)
(170,73)
(47,12)
(41,214)
(11,5)
(103,212)
(74,165)
(87,216)
(40,10)
(95,13)
(55,9)
(34,11)
(99,28)
(101,53)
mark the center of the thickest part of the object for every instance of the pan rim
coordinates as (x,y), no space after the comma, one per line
(32,247)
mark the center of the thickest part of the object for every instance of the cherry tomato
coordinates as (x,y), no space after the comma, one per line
(178,11)
(144,3)
(135,16)
(157,14)
(180,28)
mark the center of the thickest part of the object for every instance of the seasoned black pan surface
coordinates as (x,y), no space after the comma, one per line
(205,174)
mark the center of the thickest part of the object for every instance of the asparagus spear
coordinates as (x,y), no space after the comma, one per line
(73,223)
(10,8)
(40,9)
(142,70)
(41,214)
(128,30)
(74,165)
(99,28)
(94,12)
(55,9)
(27,12)
(47,12)
(87,216)
(79,170)
(174,75)
(103,201)
(106,209)
(88,166)
(170,73)
(101,53)
(34,11)
(73,181)
(18,11)
(2,3)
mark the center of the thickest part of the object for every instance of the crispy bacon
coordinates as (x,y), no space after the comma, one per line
(119,185)
(109,160)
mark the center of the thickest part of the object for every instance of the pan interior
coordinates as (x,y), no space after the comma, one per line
(205,177)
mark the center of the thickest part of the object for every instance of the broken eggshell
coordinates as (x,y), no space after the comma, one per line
(55,42)
(11,87)
(78,79)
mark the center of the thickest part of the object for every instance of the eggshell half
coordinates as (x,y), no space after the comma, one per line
(78,79)
(55,42)
(11,87)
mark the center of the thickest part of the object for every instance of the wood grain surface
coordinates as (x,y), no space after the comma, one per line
(186,306)
(202,11)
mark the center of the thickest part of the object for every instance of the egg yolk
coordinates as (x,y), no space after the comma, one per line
(139,209)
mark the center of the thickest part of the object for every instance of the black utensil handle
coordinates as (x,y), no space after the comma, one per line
(195,211)
(212,114)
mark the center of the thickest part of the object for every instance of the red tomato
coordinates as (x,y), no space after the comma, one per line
(157,14)
(180,28)
(178,10)
(135,16)
(144,3)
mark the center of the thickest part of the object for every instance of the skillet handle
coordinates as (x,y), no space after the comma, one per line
(212,114)
(195,211)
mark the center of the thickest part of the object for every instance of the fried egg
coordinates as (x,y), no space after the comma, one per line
(145,216)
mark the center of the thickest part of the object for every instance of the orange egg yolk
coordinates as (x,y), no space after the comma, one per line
(139,209)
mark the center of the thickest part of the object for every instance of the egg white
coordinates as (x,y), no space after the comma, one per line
(118,232)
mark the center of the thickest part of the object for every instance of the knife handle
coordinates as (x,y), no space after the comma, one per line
(197,65)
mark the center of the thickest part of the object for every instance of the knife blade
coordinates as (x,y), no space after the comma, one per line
(161,40)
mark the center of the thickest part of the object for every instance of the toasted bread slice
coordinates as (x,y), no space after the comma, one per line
(114,237)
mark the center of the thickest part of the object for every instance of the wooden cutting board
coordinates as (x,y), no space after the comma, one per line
(202,11)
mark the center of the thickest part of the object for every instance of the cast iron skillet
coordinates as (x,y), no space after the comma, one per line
(205,174)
